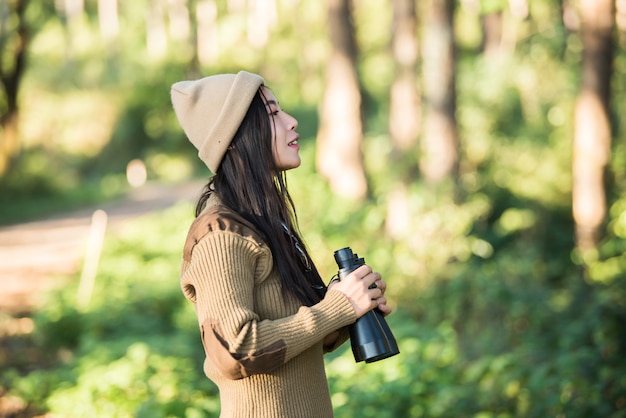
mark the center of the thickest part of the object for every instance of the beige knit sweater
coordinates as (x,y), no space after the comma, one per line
(264,353)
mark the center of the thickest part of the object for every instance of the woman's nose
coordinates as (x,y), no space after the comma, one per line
(292,122)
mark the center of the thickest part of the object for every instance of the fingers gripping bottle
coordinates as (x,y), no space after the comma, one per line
(370,335)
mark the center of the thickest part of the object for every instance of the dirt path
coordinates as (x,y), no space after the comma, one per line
(39,255)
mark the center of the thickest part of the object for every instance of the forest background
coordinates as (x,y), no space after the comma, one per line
(473,151)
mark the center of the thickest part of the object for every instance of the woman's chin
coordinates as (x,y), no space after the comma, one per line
(290,165)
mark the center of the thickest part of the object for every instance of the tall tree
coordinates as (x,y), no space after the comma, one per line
(263,15)
(404,110)
(207,47)
(500,23)
(592,137)
(404,103)
(14,37)
(339,140)
(440,143)
(108,19)
(71,13)
(491,22)
(156,32)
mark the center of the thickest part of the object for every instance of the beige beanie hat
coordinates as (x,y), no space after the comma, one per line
(211,109)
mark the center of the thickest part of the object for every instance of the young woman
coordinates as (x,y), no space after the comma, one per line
(266,318)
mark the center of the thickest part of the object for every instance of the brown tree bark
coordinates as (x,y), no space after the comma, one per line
(263,17)
(156,32)
(492,32)
(592,136)
(500,24)
(12,69)
(207,47)
(404,111)
(440,143)
(620,22)
(404,106)
(108,19)
(339,140)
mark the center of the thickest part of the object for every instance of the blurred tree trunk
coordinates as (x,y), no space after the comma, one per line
(339,155)
(236,6)
(156,33)
(14,37)
(179,20)
(109,22)
(439,153)
(261,18)
(404,106)
(620,22)
(70,9)
(108,19)
(592,137)
(492,32)
(70,12)
(404,112)
(207,47)
(499,24)
(193,67)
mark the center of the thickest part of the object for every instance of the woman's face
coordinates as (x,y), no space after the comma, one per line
(285,138)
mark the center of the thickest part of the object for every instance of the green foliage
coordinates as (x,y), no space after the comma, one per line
(509,331)
(135,351)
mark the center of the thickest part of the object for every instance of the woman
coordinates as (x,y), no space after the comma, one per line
(265,315)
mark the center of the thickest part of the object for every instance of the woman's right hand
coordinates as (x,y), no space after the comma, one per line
(356,288)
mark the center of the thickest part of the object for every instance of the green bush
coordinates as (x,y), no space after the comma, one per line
(500,324)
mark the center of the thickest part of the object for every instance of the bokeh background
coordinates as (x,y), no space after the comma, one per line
(473,151)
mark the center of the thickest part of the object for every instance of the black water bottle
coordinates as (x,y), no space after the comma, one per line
(370,335)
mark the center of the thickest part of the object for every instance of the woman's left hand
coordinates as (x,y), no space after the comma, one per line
(382,301)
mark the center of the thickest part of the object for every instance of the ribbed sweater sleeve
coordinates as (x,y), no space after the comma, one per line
(223,277)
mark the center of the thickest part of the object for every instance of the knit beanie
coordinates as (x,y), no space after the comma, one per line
(211,109)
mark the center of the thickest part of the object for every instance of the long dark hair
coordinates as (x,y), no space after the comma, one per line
(249,182)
